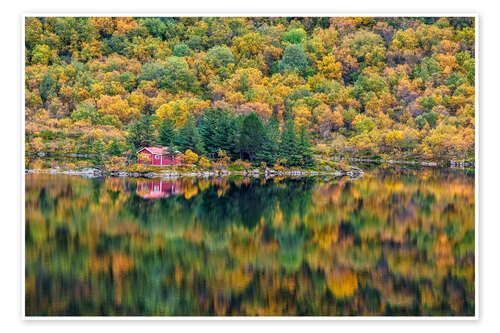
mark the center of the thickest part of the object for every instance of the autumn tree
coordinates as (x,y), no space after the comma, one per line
(178,76)
(294,36)
(86,110)
(190,157)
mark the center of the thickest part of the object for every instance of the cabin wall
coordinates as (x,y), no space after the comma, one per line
(170,160)
(161,161)
(144,161)
(156,161)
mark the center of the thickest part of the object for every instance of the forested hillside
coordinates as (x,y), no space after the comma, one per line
(274,90)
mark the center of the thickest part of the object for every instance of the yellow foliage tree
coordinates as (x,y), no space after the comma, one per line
(178,110)
(190,157)
(204,162)
(330,68)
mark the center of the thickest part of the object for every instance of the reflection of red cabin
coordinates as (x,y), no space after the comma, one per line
(157,156)
(156,189)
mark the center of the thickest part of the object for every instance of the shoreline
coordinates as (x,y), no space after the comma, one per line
(441,163)
(354,172)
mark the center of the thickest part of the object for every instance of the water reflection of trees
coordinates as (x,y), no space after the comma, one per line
(389,243)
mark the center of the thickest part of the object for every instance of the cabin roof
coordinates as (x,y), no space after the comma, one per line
(158,150)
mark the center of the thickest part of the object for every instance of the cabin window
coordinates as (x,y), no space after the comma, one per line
(157,157)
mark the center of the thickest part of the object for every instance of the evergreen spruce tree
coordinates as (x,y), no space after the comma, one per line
(270,143)
(166,133)
(217,130)
(227,131)
(188,137)
(209,131)
(304,149)
(141,133)
(97,153)
(115,148)
(251,136)
(236,152)
(289,144)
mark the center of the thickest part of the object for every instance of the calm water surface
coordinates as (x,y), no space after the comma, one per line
(394,242)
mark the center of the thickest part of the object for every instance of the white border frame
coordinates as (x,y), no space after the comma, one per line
(210,13)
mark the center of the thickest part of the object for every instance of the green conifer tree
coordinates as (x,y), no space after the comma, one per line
(97,153)
(115,149)
(188,137)
(304,149)
(141,133)
(251,136)
(217,129)
(166,133)
(289,144)
(270,143)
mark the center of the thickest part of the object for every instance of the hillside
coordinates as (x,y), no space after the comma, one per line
(273,90)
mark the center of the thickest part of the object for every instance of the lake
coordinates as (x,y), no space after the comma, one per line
(397,241)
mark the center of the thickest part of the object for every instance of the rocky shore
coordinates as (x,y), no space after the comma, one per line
(353,172)
(368,160)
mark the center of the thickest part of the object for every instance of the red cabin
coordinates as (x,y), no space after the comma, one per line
(158,156)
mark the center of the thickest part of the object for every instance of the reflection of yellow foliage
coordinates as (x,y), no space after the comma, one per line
(114,184)
(203,184)
(326,236)
(247,246)
(178,275)
(278,217)
(251,255)
(30,284)
(394,186)
(121,263)
(194,235)
(442,251)
(342,285)
(400,298)
(238,279)
(273,306)
(429,298)
(221,303)
(190,191)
